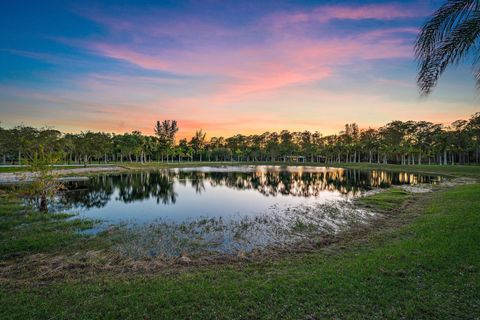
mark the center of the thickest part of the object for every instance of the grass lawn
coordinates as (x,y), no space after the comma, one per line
(387,200)
(423,264)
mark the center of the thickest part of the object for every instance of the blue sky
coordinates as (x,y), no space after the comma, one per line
(225,67)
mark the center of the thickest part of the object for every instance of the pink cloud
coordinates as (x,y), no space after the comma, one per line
(324,14)
(235,63)
(266,75)
(266,66)
(232,75)
(373,11)
(122,53)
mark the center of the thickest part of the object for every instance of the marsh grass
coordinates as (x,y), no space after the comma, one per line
(231,235)
(25,230)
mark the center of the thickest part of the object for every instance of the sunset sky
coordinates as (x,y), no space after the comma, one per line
(224,66)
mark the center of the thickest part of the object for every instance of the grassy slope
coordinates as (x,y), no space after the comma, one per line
(429,268)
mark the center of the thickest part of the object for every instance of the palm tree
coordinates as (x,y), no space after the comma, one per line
(165,132)
(198,142)
(450,36)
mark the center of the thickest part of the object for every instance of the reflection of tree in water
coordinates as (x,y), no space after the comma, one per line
(160,185)
(144,185)
(95,193)
(273,183)
(196,179)
(297,183)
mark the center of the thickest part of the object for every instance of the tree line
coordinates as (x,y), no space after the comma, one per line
(402,142)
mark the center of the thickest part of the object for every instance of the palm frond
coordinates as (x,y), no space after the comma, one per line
(446,39)
(476,70)
(451,50)
(441,23)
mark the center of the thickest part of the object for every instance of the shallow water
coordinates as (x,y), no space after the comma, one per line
(226,209)
(182,194)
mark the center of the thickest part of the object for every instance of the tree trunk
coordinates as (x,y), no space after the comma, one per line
(43,203)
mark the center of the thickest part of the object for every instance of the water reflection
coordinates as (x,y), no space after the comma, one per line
(217,191)
(226,209)
(298,181)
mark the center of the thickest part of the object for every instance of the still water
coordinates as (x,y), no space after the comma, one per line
(182,194)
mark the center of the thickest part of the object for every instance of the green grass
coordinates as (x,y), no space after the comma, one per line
(386,200)
(26,231)
(427,269)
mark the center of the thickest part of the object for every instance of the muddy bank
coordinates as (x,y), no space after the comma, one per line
(17,177)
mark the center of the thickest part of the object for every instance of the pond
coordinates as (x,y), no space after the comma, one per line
(227,208)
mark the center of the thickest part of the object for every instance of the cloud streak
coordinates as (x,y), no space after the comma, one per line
(236,70)
(325,14)
(269,60)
